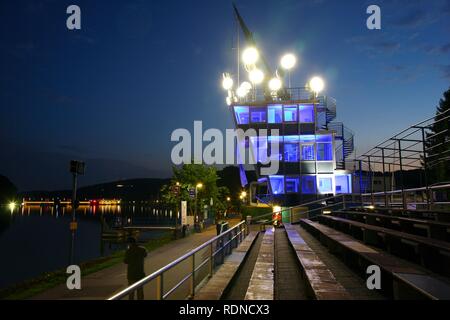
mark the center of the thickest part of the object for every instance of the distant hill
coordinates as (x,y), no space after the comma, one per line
(132,189)
(8,190)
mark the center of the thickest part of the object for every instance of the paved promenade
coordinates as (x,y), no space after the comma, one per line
(102,284)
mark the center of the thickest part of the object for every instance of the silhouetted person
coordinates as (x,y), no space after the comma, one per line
(134,258)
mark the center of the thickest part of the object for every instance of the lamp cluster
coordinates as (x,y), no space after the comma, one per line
(256,76)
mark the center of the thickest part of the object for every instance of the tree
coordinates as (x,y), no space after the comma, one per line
(438,143)
(186,178)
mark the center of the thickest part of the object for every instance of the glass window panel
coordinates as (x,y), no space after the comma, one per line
(325,184)
(307,151)
(306,113)
(290,113)
(292,184)
(275,114)
(308,184)
(343,183)
(242,115)
(325,151)
(277,184)
(258,115)
(324,138)
(291,152)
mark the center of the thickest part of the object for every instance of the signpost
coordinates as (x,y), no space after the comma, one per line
(76,168)
(184,213)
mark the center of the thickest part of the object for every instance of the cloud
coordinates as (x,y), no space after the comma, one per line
(436,49)
(414,18)
(402,73)
(374,45)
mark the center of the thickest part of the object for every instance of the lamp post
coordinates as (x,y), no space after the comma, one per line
(197,187)
(76,168)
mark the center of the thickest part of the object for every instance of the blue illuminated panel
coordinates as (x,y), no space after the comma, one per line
(290,113)
(325,151)
(291,152)
(308,184)
(275,114)
(307,151)
(277,184)
(325,184)
(258,115)
(343,183)
(292,184)
(306,113)
(242,115)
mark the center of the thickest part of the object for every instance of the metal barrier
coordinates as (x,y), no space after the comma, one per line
(173,282)
(429,197)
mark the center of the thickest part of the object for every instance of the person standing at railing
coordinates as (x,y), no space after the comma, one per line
(134,258)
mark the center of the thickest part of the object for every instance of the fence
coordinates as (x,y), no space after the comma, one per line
(181,278)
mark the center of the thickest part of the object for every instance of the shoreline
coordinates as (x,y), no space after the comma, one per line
(28,288)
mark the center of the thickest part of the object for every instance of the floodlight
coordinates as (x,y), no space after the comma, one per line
(275,84)
(288,61)
(256,76)
(250,55)
(316,84)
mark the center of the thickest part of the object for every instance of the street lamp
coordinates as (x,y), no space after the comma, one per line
(197,187)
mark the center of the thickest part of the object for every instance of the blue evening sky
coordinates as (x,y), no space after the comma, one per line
(113,92)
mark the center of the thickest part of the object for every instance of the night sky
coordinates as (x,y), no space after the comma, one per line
(113,92)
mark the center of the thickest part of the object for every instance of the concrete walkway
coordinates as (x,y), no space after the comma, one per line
(103,284)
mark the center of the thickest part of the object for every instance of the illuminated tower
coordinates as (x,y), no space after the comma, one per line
(312,149)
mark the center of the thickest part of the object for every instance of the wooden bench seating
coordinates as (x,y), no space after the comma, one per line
(429,228)
(321,282)
(435,215)
(216,286)
(400,279)
(430,253)
(261,286)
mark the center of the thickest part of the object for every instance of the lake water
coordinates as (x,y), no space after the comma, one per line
(35,239)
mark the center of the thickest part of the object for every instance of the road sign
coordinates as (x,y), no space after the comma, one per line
(192,193)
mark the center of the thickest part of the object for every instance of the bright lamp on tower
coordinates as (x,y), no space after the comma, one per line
(288,61)
(250,56)
(227,82)
(275,84)
(316,84)
(256,76)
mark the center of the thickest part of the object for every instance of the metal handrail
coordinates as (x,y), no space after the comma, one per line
(242,227)
(444,186)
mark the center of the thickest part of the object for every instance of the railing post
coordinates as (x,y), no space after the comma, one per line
(159,287)
(211,259)
(193,277)
(343,202)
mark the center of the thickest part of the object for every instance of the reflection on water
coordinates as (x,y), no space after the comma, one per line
(36,239)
